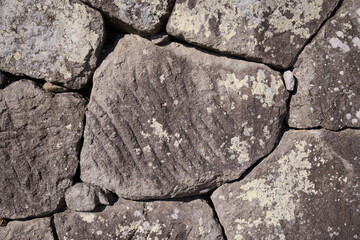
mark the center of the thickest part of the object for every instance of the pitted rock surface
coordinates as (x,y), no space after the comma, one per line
(273,31)
(328,73)
(57,41)
(308,188)
(142,220)
(181,124)
(86,197)
(25,230)
(144,17)
(39,146)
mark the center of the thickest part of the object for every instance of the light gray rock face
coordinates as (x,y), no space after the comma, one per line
(86,197)
(181,124)
(328,93)
(32,229)
(39,146)
(144,17)
(308,188)
(57,41)
(142,220)
(273,31)
(289,80)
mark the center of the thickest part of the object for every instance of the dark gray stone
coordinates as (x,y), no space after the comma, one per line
(39,146)
(26,230)
(308,188)
(86,197)
(142,220)
(57,41)
(271,31)
(328,93)
(144,17)
(174,121)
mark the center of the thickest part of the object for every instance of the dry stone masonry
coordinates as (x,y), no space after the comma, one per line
(180,119)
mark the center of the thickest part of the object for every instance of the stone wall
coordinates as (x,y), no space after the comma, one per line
(186,119)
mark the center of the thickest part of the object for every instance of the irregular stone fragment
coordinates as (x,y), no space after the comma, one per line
(328,93)
(32,229)
(161,39)
(144,17)
(270,31)
(142,220)
(174,121)
(308,188)
(86,197)
(58,41)
(40,134)
(289,80)
(54,88)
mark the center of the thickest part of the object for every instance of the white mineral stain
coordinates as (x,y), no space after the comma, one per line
(158,130)
(240,149)
(266,89)
(232,83)
(277,195)
(87,217)
(162,78)
(356,42)
(337,43)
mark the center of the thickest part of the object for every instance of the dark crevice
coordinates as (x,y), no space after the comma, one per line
(326,129)
(217,53)
(207,198)
(53,228)
(315,34)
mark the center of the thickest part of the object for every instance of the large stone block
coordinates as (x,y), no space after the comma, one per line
(40,134)
(58,41)
(142,220)
(144,17)
(174,121)
(328,73)
(308,188)
(271,31)
(25,230)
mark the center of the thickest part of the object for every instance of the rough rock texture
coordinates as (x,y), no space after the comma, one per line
(142,220)
(271,31)
(53,40)
(39,146)
(32,229)
(86,197)
(308,188)
(178,126)
(144,17)
(328,73)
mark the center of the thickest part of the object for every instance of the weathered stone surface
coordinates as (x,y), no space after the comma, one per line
(39,147)
(328,93)
(53,40)
(144,17)
(86,197)
(273,32)
(32,229)
(308,188)
(181,124)
(142,220)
